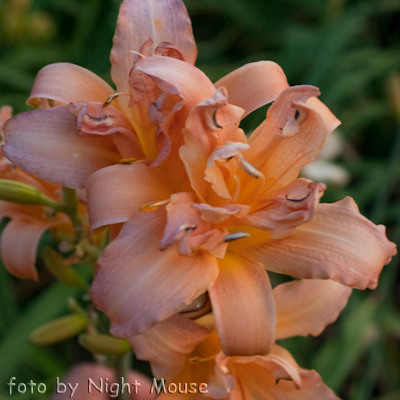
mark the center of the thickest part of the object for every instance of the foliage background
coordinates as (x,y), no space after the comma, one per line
(350,49)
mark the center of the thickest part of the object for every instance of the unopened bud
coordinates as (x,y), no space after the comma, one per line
(64,273)
(58,330)
(104,344)
(21,193)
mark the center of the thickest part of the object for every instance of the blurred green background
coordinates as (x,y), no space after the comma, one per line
(349,49)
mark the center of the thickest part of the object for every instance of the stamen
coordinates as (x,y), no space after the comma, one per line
(127,161)
(298,200)
(98,119)
(154,206)
(237,190)
(114,96)
(187,227)
(248,168)
(235,236)
(199,307)
(215,120)
(297,114)
(136,52)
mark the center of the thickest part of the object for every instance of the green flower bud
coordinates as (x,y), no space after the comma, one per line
(22,193)
(58,330)
(104,344)
(64,273)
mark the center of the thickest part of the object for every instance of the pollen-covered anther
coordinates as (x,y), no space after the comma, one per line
(154,206)
(97,119)
(215,120)
(114,96)
(127,161)
(235,236)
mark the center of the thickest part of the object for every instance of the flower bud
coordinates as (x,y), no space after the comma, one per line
(21,193)
(58,330)
(104,344)
(64,273)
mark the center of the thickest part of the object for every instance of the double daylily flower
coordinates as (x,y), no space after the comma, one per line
(221,207)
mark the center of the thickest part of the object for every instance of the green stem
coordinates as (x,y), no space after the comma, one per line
(122,367)
(71,202)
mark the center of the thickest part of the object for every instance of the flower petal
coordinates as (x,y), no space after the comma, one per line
(93,119)
(338,244)
(45,144)
(210,123)
(168,344)
(132,271)
(291,137)
(254,85)
(68,83)
(128,187)
(244,327)
(330,121)
(18,247)
(139,20)
(307,306)
(287,208)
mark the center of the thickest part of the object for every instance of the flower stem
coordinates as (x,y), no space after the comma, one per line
(71,202)
(121,369)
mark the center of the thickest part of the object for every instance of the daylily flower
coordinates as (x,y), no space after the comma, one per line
(183,351)
(186,161)
(20,238)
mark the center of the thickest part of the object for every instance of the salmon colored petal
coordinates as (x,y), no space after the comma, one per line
(132,271)
(68,83)
(291,137)
(93,119)
(45,143)
(338,244)
(290,207)
(128,187)
(139,20)
(245,327)
(254,85)
(182,218)
(330,121)
(18,247)
(212,122)
(168,344)
(307,306)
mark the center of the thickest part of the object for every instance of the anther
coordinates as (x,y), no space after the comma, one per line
(248,168)
(154,206)
(112,97)
(127,161)
(298,200)
(98,119)
(297,114)
(137,53)
(215,120)
(235,236)
(196,360)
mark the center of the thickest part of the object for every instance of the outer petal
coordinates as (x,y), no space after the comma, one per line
(67,83)
(168,344)
(289,139)
(139,20)
(254,85)
(45,144)
(338,244)
(18,247)
(307,306)
(115,194)
(137,285)
(244,327)
(330,121)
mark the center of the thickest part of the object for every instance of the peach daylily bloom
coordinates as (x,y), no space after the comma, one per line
(183,351)
(203,182)
(20,238)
